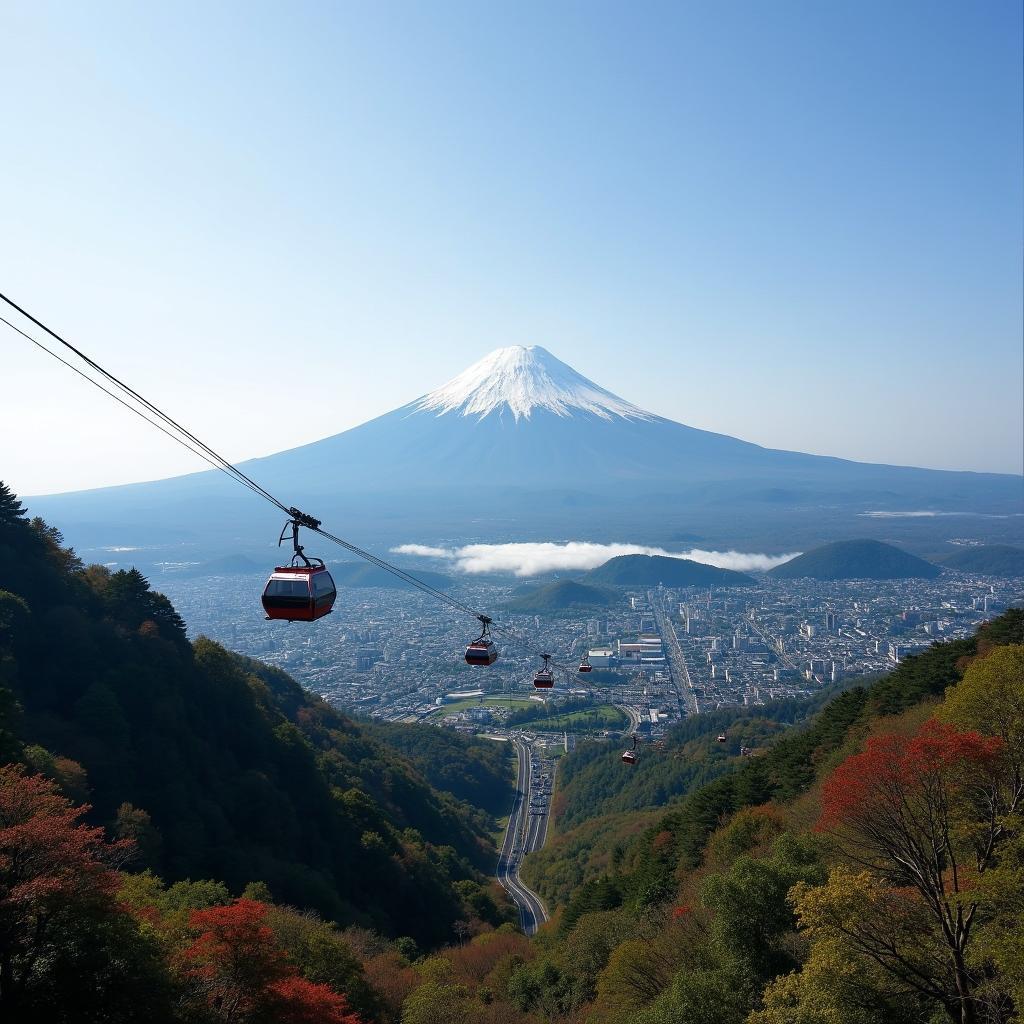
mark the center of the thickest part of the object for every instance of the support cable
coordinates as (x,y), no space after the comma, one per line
(176,432)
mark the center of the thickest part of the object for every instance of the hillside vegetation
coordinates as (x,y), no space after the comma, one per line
(560,595)
(988,560)
(863,869)
(856,560)
(228,768)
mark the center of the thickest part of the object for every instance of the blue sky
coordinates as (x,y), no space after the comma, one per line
(797,223)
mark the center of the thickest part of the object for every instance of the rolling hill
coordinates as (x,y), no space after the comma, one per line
(650,570)
(560,595)
(988,560)
(856,560)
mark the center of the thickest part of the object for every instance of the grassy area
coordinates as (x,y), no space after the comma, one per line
(604,716)
(498,835)
(476,702)
(500,824)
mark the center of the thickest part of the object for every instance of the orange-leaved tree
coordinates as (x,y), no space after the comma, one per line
(235,968)
(53,868)
(923,816)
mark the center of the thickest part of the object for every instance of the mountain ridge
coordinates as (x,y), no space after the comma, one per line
(856,560)
(650,570)
(559,595)
(520,447)
(987,559)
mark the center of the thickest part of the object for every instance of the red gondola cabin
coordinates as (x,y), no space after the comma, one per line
(482,652)
(629,757)
(544,680)
(299,593)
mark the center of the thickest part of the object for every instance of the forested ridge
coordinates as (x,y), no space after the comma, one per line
(188,836)
(214,766)
(866,866)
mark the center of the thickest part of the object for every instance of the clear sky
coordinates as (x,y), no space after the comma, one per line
(797,223)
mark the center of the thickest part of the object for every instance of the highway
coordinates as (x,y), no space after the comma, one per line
(675,656)
(634,718)
(774,644)
(526,832)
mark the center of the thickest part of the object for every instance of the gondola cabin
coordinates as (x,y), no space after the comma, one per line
(629,757)
(722,737)
(544,680)
(299,593)
(585,666)
(482,652)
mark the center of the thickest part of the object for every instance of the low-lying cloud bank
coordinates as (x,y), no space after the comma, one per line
(935,515)
(533,559)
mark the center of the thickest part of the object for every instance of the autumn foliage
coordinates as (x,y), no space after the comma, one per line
(895,775)
(51,866)
(926,816)
(236,968)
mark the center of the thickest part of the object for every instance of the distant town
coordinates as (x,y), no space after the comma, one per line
(657,655)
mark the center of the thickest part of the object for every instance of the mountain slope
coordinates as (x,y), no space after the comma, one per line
(750,902)
(988,559)
(519,436)
(364,574)
(650,570)
(560,595)
(244,776)
(856,560)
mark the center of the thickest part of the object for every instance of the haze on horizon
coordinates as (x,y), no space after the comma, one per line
(798,225)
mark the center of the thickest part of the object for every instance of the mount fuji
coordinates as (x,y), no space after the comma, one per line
(522,443)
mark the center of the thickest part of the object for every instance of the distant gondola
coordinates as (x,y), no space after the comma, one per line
(545,678)
(629,756)
(585,665)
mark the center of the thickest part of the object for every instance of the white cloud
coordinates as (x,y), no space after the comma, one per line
(535,558)
(741,561)
(423,550)
(932,515)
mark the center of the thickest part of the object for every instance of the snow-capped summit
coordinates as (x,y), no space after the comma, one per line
(521,379)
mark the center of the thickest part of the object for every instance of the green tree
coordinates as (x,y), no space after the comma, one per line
(322,955)
(752,914)
(835,986)
(701,994)
(67,950)
(437,1000)
(990,700)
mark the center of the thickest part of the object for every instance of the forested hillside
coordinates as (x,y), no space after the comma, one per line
(598,805)
(478,771)
(220,766)
(991,559)
(864,868)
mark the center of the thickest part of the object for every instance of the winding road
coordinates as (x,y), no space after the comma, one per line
(521,836)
